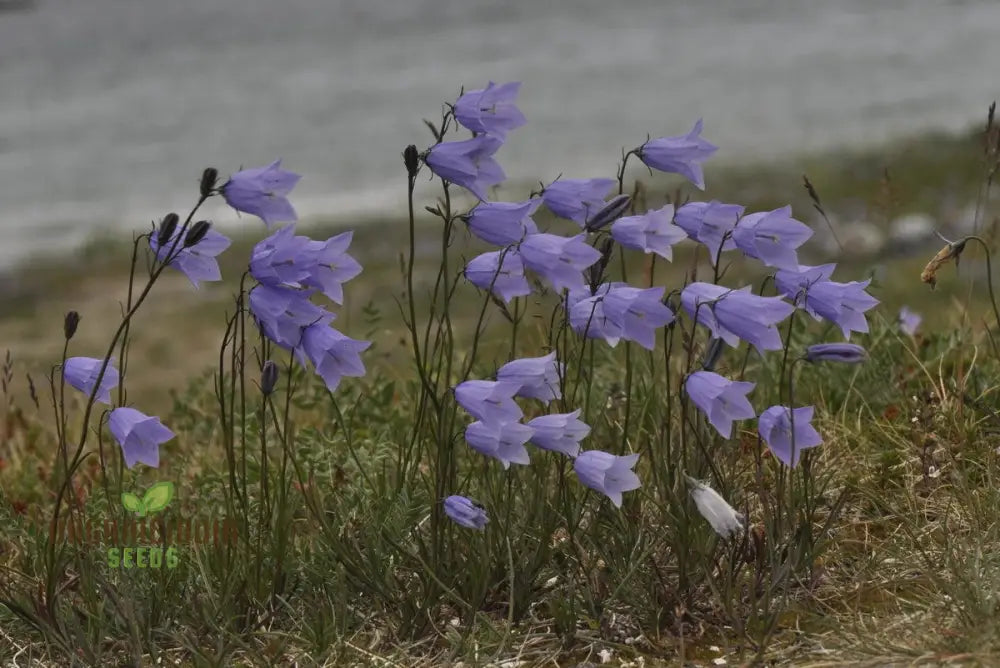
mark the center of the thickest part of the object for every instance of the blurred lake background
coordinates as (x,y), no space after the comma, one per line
(109,109)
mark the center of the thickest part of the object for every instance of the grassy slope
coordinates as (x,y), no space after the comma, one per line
(905,578)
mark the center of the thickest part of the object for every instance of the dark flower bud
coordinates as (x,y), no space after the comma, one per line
(611,212)
(196,233)
(268,377)
(167,227)
(712,355)
(411,158)
(596,271)
(70,324)
(209,178)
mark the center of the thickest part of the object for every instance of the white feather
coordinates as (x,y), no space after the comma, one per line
(722,516)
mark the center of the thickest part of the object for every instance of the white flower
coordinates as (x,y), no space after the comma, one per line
(722,516)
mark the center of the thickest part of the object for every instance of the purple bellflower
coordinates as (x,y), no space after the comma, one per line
(652,232)
(682,154)
(841,303)
(81,373)
(637,312)
(559,432)
(848,353)
(772,237)
(606,473)
(503,223)
(465,512)
(722,400)
(330,266)
(138,435)
(196,262)
(559,260)
(538,377)
(506,280)
(468,163)
(282,259)
(334,355)
(577,199)
(737,314)
(489,401)
(711,224)
(282,313)
(490,110)
(775,427)
(587,316)
(262,192)
(794,283)
(504,441)
(909,321)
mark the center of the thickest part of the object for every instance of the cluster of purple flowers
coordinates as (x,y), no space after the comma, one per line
(290,270)
(499,433)
(139,435)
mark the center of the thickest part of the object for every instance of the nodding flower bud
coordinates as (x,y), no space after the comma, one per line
(611,212)
(712,355)
(70,324)
(411,158)
(596,271)
(209,178)
(196,233)
(166,230)
(268,377)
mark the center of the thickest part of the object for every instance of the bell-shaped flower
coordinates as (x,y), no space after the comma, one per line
(909,320)
(723,401)
(501,271)
(334,355)
(262,192)
(558,260)
(81,373)
(503,441)
(138,435)
(465,512)
(538,377)
(577,199)
(841,303)
(606,473)
(503,223)
(330,266)
(772,237)
(794,283)
(282,313)
(737,314)
(559,432)
(722,516)
(468,163)
(710,224)
(652,232)
(281,259)
(682,154)
(587,316)
(785,439)
(638,312)
(489,401)
(848,353)
(197,262)
(490,110)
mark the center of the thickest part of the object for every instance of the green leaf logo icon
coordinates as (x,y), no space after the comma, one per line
(158,496)
(133,504)
(154,500)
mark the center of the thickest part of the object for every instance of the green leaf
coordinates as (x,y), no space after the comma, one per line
(158,496)
(133,503)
